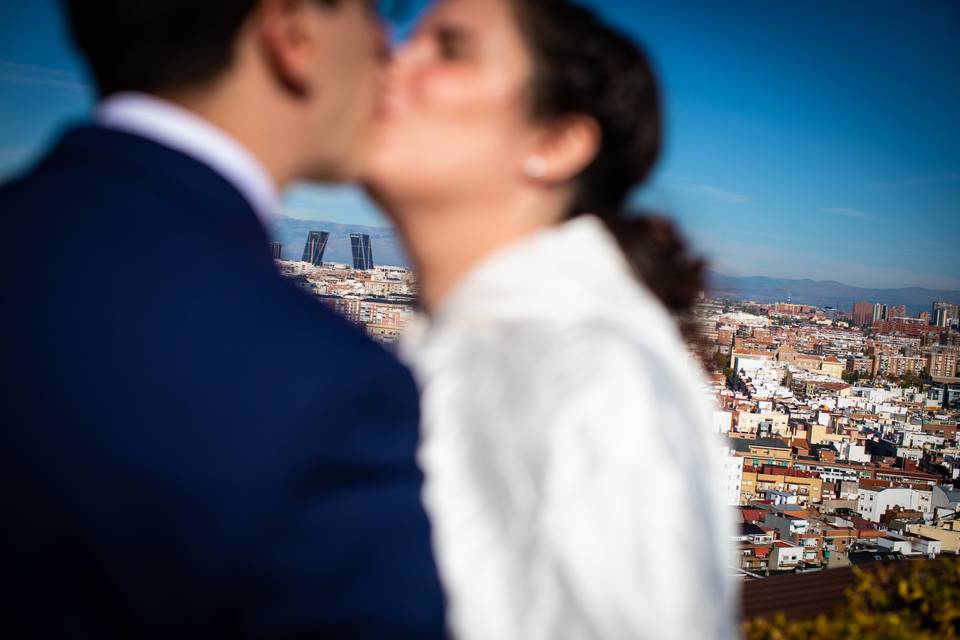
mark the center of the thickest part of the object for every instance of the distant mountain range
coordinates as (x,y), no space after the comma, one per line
(822,293)
(387,250)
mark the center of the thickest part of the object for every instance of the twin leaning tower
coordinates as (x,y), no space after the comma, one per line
(317,244)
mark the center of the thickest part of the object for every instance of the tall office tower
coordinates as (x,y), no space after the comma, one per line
(944,313)
(862,313)
(276,250)
(939,318)
(362,251)
(316,245)
(879,312)
(896,311)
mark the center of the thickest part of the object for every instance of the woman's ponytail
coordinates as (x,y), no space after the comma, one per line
(581,66)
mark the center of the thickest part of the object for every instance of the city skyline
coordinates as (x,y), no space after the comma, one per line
(813,141)
(293,232)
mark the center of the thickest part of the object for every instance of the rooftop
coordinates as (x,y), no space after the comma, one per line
(743,445)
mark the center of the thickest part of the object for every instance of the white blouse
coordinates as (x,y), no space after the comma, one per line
(572,482)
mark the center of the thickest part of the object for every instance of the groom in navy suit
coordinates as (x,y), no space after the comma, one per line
(191,446)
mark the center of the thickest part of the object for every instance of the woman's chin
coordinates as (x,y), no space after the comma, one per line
(376,170)
(387,158)
(378,179)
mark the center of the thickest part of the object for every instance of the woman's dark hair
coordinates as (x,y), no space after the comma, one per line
(581,66)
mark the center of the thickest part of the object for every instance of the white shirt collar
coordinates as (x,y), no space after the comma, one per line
(572,270)
(177,128)
(572,264)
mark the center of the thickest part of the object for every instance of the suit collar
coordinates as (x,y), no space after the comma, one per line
(186,183)
(172,126)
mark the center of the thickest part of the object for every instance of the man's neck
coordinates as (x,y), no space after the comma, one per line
(262,129)
(187,132)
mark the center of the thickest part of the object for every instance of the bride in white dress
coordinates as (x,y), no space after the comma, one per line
(571,480)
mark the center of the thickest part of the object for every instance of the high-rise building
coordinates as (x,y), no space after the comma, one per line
(316,245)
(894,311)
(942,362)
(862,313)
(362,251)
(879,312)
(944,313)
(276,250)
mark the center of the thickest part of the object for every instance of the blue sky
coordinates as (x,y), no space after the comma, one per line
(817,139)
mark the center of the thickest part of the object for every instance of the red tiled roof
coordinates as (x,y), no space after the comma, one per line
(751,515)
(774,470)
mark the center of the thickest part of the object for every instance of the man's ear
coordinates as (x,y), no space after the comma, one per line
(288,41)
(564,149)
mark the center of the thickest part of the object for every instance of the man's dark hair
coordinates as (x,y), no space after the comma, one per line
(157,45)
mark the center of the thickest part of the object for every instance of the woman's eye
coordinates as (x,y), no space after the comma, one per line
(449,45)
(449,49)
(451,52)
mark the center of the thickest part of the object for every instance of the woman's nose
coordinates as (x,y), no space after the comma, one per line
(407,56)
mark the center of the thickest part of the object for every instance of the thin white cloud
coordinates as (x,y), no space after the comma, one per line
(848,212)
(716,193)
(40,76)
(913,181)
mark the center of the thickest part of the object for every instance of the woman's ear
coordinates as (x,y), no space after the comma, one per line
(564,150)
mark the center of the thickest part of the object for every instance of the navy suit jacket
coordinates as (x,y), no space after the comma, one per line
(192,447)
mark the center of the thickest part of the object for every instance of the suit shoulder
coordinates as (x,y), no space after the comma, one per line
(361,353)
(328,341)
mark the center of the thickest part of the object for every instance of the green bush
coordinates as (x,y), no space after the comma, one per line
(917,600)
